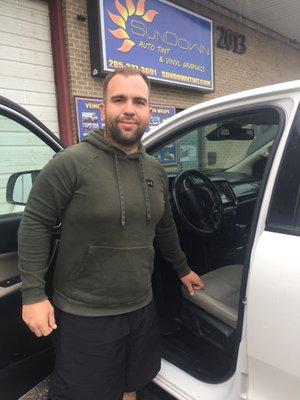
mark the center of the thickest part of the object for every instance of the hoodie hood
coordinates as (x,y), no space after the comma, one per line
(96,139)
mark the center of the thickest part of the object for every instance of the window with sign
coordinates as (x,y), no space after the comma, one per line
(224,144)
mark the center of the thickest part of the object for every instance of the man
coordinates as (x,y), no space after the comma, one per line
(111,199)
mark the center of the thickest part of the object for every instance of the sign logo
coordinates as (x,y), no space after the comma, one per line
(163,40)
(125,12)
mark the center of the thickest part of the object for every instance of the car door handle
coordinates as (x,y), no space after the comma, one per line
(10,281)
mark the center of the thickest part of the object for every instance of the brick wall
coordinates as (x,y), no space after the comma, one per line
(268,60)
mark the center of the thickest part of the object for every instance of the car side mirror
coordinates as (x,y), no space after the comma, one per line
(19,186)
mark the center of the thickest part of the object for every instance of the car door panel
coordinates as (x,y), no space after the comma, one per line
(9,274)
(274,281)
(273,315)
(24,359)
(22,354)
(9,225)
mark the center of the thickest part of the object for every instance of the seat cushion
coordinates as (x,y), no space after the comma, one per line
(220,296)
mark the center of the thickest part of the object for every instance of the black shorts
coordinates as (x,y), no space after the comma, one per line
(100,358)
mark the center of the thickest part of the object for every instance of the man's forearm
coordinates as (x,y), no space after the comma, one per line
(168,243)
(34,248)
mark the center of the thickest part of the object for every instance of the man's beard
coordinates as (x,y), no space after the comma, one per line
(116,134)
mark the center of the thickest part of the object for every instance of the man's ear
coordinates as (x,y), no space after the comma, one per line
(102,109)
(150,112)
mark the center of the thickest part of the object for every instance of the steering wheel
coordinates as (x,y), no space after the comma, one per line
(197,202)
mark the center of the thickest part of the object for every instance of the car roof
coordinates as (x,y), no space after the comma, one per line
(276,89)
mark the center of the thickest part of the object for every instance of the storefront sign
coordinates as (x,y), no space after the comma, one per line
(89,115)
(160,113)
(165,41)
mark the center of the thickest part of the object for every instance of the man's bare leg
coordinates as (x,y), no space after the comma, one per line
(129,396)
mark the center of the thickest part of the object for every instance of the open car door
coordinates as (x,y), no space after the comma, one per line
(26,145)
(266,349)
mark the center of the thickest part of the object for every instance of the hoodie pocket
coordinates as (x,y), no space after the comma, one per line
(111,276)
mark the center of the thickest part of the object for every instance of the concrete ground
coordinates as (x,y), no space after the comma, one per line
(151,392)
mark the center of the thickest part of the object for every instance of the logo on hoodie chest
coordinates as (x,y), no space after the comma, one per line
(149,183)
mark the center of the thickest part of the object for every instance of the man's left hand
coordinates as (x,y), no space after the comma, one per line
(192,282)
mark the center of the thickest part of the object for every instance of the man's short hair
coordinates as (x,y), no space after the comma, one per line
(125,72)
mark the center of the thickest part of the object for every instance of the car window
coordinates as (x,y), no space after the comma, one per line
(284,213)
(20,150)
(224,143)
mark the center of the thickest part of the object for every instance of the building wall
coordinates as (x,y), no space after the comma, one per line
(267,60)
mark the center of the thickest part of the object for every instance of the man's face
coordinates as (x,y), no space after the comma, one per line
(126,111)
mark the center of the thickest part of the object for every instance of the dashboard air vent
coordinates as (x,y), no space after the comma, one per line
(229,193)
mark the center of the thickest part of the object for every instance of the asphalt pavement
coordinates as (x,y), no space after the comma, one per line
(151,392)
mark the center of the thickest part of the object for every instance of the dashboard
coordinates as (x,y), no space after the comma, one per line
(244,187)
(235,189)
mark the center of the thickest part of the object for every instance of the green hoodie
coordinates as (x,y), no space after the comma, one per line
(111,207)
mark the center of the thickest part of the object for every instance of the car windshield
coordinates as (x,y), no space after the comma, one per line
(222,144)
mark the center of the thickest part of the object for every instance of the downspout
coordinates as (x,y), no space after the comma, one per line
(61,72)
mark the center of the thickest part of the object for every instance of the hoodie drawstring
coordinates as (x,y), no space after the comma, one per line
(121,193)
(144,187)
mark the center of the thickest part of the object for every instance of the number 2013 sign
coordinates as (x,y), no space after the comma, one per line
(166,42)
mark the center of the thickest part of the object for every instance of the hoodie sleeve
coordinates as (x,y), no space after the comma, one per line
(167,240)
(48,198)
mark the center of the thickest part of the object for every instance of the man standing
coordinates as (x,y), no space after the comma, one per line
(111,199)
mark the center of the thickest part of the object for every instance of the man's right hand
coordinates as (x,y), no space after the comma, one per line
(39,317)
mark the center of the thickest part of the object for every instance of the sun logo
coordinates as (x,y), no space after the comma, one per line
(121,19)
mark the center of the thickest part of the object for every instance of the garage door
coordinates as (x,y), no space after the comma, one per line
(26,77)
(26,65)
